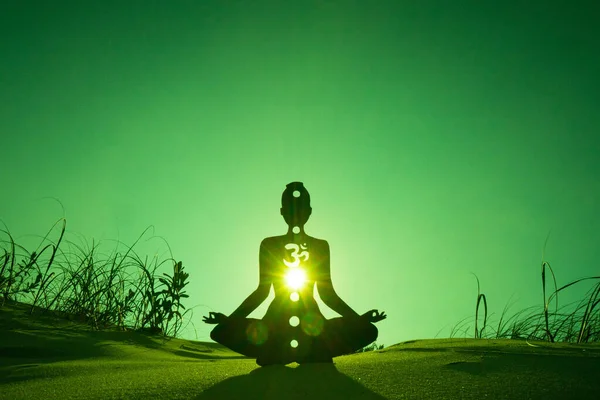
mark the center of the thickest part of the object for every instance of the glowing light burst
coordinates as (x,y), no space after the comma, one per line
(295,278)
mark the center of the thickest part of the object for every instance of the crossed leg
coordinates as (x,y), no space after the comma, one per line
(242,335)
(340,336)
(268,343)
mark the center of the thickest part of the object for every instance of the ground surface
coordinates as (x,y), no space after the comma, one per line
(46,358)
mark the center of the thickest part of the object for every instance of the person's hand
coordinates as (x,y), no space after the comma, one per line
(214,318)
(374,316)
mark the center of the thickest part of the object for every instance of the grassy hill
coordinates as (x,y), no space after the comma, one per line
(85,334)
(46,357)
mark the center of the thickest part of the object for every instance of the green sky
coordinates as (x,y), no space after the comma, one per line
(436,139)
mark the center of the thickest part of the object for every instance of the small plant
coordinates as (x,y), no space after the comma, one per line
(171,296)
(373,346)
(161,304)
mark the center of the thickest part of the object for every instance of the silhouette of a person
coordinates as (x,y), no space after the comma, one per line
(293,328)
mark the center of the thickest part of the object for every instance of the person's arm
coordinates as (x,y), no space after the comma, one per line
(259,295)
(326,290)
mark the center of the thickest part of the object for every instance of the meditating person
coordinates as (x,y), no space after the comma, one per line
(293,328)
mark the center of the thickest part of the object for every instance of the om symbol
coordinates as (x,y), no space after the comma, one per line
(295,255)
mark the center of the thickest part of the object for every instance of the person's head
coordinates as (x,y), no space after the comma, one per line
(295,204)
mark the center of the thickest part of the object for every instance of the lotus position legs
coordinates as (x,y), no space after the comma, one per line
(256,338)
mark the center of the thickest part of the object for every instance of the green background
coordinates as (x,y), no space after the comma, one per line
(437,138)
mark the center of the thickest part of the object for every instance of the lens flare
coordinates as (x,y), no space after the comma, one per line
(257,332)
(312,324)
(295,278)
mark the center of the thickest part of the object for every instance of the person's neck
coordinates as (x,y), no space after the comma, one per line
(300,233)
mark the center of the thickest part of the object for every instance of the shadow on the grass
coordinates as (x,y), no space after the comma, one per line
(567,367)
(307,381)
(44,338)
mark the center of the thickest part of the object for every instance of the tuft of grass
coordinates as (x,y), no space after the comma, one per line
(78,281)
(574,324)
